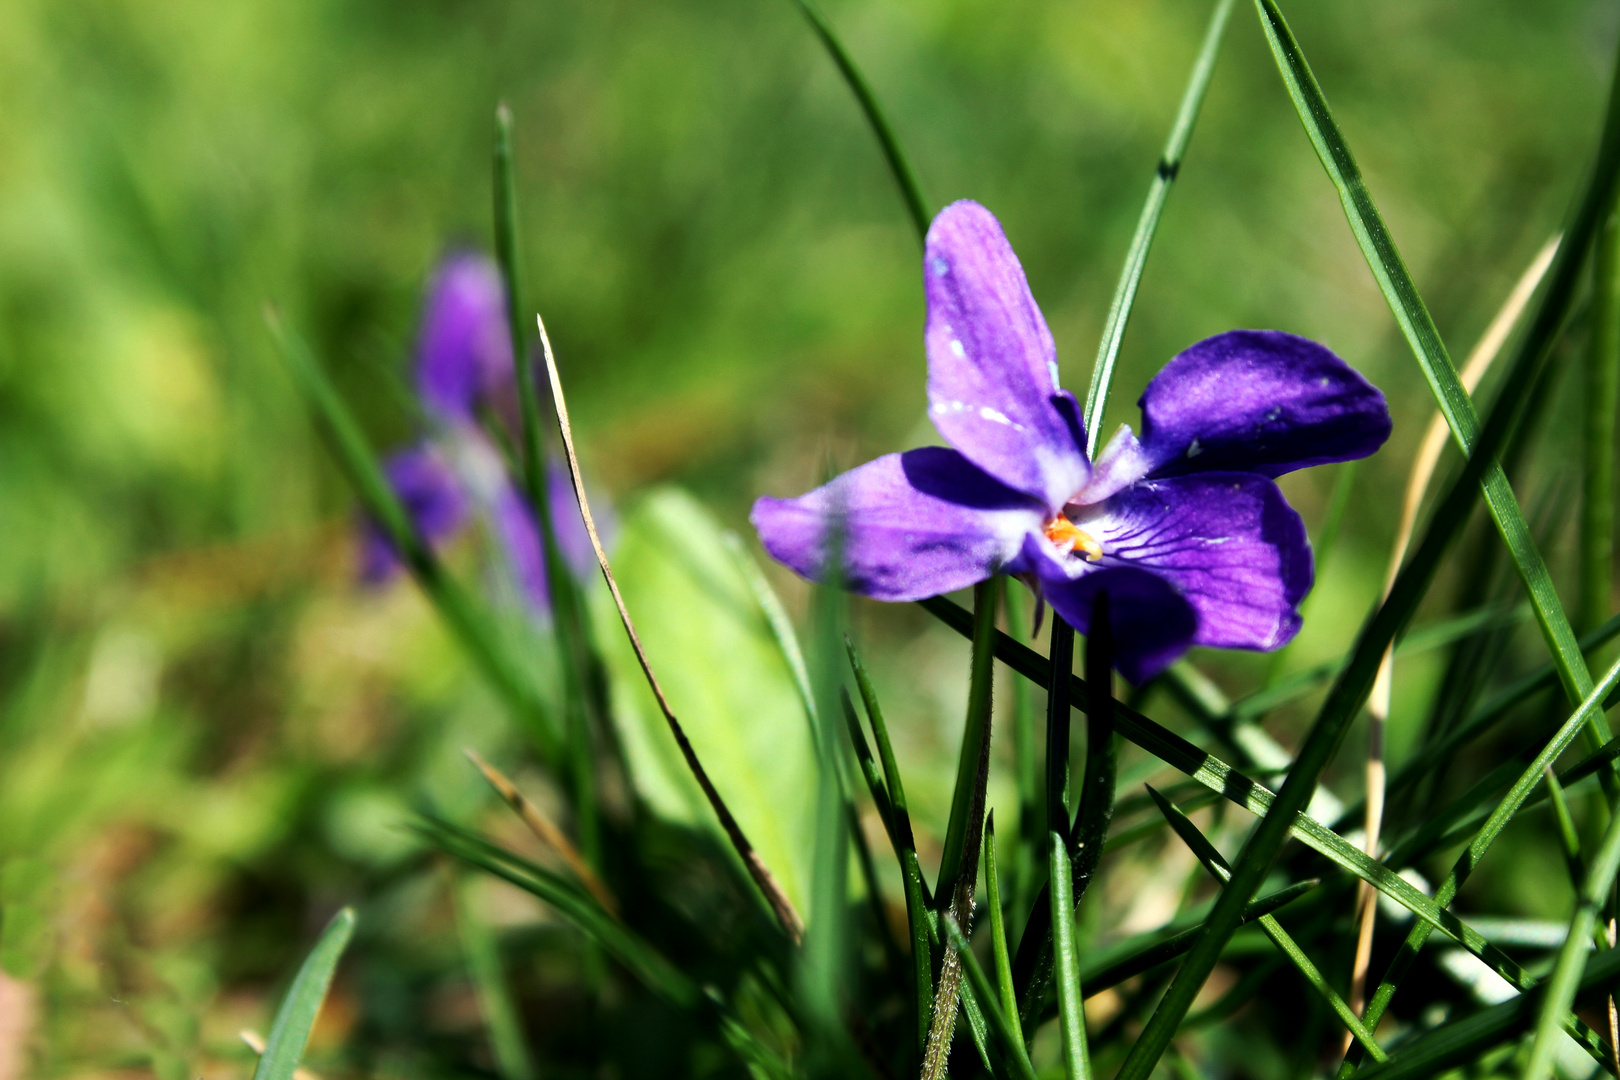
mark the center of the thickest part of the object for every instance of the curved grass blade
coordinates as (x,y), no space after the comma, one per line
(1218,869)
(1419,330)
(289,1034)
(471,626)
(899,165)
(1175,147)
(1459,1042)
(1005,1030)
(786,915)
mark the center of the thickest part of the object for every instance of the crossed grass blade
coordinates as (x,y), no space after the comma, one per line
(1215,774)
(473,628)
(289,1033)
(1002,1024)
(1218,869)
(1164,175)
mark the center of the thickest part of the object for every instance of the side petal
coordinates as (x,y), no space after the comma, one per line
(1259,401)
(915,525)
(1228,542)
(432,496)
(464,349)
(1150,622)
(992,368)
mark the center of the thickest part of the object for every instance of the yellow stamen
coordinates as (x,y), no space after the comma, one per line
(1066,534)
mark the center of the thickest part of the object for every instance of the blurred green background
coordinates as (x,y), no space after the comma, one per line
(208,733)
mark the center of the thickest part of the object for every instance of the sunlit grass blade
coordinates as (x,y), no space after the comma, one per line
(1601,395)
(1066,962)
(1006,993)
(958,865)
(471,626)
(1419,330)
(1175,148)
(640,958)
(1218,869)
(1565,980)
(1000,1021)
(512,1058)
(899,165)
(289,1034)
(770,889)
(1462,1041)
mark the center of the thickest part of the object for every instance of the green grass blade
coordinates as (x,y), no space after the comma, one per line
(899,165)
(1419,330)
(289,1033)
(1602,397)
(1004,1029)
(1007,994)
(1573,954)
(1462,1041)
(1175,148)
(1024,869)
(512,1059)
(472,627)
(1218,869)
(1097,789)
(1066,963)
(868,767)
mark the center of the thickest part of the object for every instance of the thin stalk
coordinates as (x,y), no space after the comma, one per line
(905,177)
(1175,148)
(1071,1003)
(1061,653)
(1025,868)
(1602,394)
(958,865)
(1096,812)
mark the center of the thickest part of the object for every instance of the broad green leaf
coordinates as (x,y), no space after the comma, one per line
(725,677)
(284,1049)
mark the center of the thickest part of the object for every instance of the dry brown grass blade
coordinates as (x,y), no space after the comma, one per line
(255,1042)
(1417,484)
(546,831)
(781,906)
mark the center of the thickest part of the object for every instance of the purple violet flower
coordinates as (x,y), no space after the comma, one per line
(1183,528)
(464,362)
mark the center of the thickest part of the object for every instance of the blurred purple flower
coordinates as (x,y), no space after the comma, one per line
(464,363)
(1182,527)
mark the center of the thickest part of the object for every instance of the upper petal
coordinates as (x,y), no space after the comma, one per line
(464,350)
(914,525)
(1259,401)
(1228,542)
(992,368)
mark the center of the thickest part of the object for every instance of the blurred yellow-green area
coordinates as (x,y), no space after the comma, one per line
(211,736)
